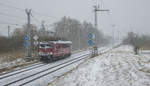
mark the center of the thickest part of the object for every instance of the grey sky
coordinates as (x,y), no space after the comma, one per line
(126,15)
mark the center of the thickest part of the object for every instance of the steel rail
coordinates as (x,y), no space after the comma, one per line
(43,70)
(26,67)
(52,71)
(5,76)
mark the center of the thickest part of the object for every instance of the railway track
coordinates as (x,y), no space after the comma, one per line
(52,71)
(5,75)
(27,68)
(24,79)
(28,76)
(56,68)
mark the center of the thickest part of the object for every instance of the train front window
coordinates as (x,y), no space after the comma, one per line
(45,46)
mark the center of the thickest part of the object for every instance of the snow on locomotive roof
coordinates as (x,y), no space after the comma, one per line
(62,42)
(43,42)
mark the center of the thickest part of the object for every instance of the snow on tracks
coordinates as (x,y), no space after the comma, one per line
(119,67)
(22,77)
(42,74)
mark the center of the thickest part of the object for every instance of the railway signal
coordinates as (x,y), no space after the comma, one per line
(28,35)
(91,42)
(35,37)
(26,38)
(96,9)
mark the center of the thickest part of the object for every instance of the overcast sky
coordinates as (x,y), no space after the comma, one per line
(125,15)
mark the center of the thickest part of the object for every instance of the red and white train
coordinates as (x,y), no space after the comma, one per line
(53,50)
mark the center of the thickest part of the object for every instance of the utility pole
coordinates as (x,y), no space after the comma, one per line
(96,9)
(8,31)
(118,36)
(43,28)
(28,36)
(79,39)
(113,34)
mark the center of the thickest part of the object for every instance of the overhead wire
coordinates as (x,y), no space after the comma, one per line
(7,1)
(8,23)
(12,21)
(43,14)
(37,13)
(35,18)
(21,9)
(12,16)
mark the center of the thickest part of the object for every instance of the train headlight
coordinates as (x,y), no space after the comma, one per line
(40,53)
(50,53)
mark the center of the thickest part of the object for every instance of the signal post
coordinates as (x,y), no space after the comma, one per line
(95,48)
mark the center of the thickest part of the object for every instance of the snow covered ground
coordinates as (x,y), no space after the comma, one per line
(20,62)
(12,63)
(119,67)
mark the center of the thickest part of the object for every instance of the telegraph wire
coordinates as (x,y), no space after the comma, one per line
(43,14)
(7,1)
(12,16)
(9,6)
(101,2)
(6,23)
(12,20)
(21,9)
(35,18)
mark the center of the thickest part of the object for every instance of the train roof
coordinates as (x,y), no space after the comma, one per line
(62,42)
(55,42)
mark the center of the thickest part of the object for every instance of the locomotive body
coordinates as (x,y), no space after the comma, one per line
(53,50)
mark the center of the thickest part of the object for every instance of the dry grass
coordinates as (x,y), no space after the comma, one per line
(11,56)
(145,48)
(16,59)
(146,70)
(21,65)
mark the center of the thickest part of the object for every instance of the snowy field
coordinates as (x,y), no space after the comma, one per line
(20,62)
(119,67)
(12,63)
